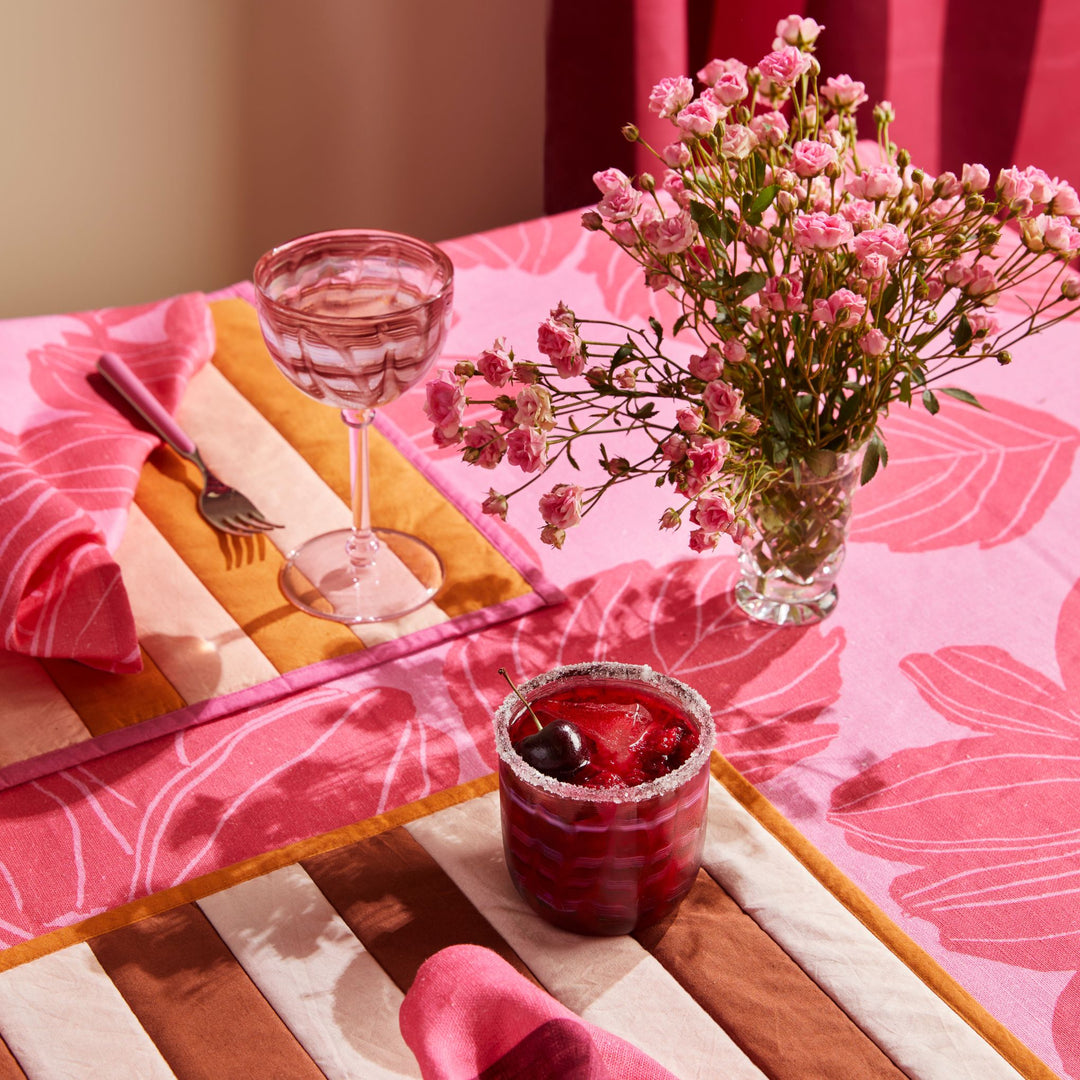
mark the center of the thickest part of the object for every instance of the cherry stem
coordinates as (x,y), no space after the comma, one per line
(528,707)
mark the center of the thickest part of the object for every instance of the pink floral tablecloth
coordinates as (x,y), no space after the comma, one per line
(926,737)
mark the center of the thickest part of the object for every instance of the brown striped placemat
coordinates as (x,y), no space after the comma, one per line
(295,963)
(215,631)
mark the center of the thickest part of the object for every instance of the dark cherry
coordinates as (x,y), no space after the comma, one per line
(557,750)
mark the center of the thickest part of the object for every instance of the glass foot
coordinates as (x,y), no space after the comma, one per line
(403,575)
(788,611)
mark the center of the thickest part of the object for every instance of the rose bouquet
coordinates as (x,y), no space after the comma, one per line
(820,279)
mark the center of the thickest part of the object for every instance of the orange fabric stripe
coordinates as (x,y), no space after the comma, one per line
(401,498)
(106,702)
(744,980)
(9,1067)
(401,904)
(875,920)
(240,572)
(196,1002)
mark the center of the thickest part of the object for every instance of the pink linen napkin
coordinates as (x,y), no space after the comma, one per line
(69,463)
(470,1016)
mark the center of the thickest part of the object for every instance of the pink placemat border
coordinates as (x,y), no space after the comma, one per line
(544,593)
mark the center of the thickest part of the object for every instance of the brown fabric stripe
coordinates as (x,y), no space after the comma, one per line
(9,1067)
(196,1002)
(745,982)
(401,904)
(880,925)
(240,572)
(105,701)
(197,888)
(402,498)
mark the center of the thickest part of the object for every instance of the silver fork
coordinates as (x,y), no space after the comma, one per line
(224,507)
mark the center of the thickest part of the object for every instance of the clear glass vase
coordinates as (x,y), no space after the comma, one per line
(788,571)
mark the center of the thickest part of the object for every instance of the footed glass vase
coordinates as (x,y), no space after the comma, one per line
(788,571)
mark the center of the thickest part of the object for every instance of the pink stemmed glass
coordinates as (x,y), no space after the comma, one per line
(353,318)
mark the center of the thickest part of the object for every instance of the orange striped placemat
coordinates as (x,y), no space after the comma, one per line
(295,963)
(215,631)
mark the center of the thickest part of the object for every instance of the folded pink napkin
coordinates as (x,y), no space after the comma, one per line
(69,463)
(470,1016)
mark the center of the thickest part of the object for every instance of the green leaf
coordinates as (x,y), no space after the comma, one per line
(622,354)
(821,462)
(871,459)
(888,297)
(570,457)
(680,324)
(657,329)
(963,333)
(646,410)
(904,393)
(707,220)
(780,422)
(748,283)
(929,399)
(963,395)
(763,199)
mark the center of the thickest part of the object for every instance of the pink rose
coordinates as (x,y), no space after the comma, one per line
(981,282)
(619,204)
(713,513)
(553,536)
(561,506)
(785,66)
(730,88)
(562,346)
(484,445)
(610,180)
(495,504)
(877,183)
(983,323)
(734,351)
(673,449)
(738,142)
(862,214)
(677,155)
(795,30)
(843,92)
(1060,235)
(1015,189)
(444,405)
(714,69)
(811,157)
(689,419)
(495,365)
(723,402)
(670,519)
(700,117)
(706,458)
(670,95)
(526,448)
(821,232)
(843,308)
(708,366)
(1065,202)
(771,128)
(700,540)
(874,342)
(887,240)
(975,177)
(534,408)
(672,234)
(1042,187)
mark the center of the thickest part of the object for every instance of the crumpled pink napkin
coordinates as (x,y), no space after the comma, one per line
(470,1016)
(69,463)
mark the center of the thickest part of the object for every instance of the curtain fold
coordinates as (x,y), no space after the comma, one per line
(986,81)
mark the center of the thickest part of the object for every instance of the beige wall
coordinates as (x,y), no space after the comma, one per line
(156,146)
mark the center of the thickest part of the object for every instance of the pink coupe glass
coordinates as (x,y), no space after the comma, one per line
(353,318)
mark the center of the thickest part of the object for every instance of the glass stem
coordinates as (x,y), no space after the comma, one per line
(363,544)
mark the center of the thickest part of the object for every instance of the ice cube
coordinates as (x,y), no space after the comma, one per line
(616,729)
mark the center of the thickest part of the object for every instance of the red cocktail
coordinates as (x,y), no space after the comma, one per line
(608,837)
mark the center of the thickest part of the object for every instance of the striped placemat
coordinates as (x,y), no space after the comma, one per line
(215,631)
(294,964)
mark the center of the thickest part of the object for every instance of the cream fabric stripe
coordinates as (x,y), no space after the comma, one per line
(895,1008)
(611,982)
(62,1018)
(193,640)
(26,690)
(339,1004)
(263,464)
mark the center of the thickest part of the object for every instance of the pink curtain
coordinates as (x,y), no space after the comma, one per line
(990,81)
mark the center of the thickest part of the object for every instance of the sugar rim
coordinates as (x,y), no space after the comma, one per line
(686,697)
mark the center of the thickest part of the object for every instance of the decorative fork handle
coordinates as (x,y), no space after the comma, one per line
(126,383)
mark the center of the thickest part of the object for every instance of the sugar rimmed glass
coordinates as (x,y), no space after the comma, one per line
(353,318)
(604,861)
